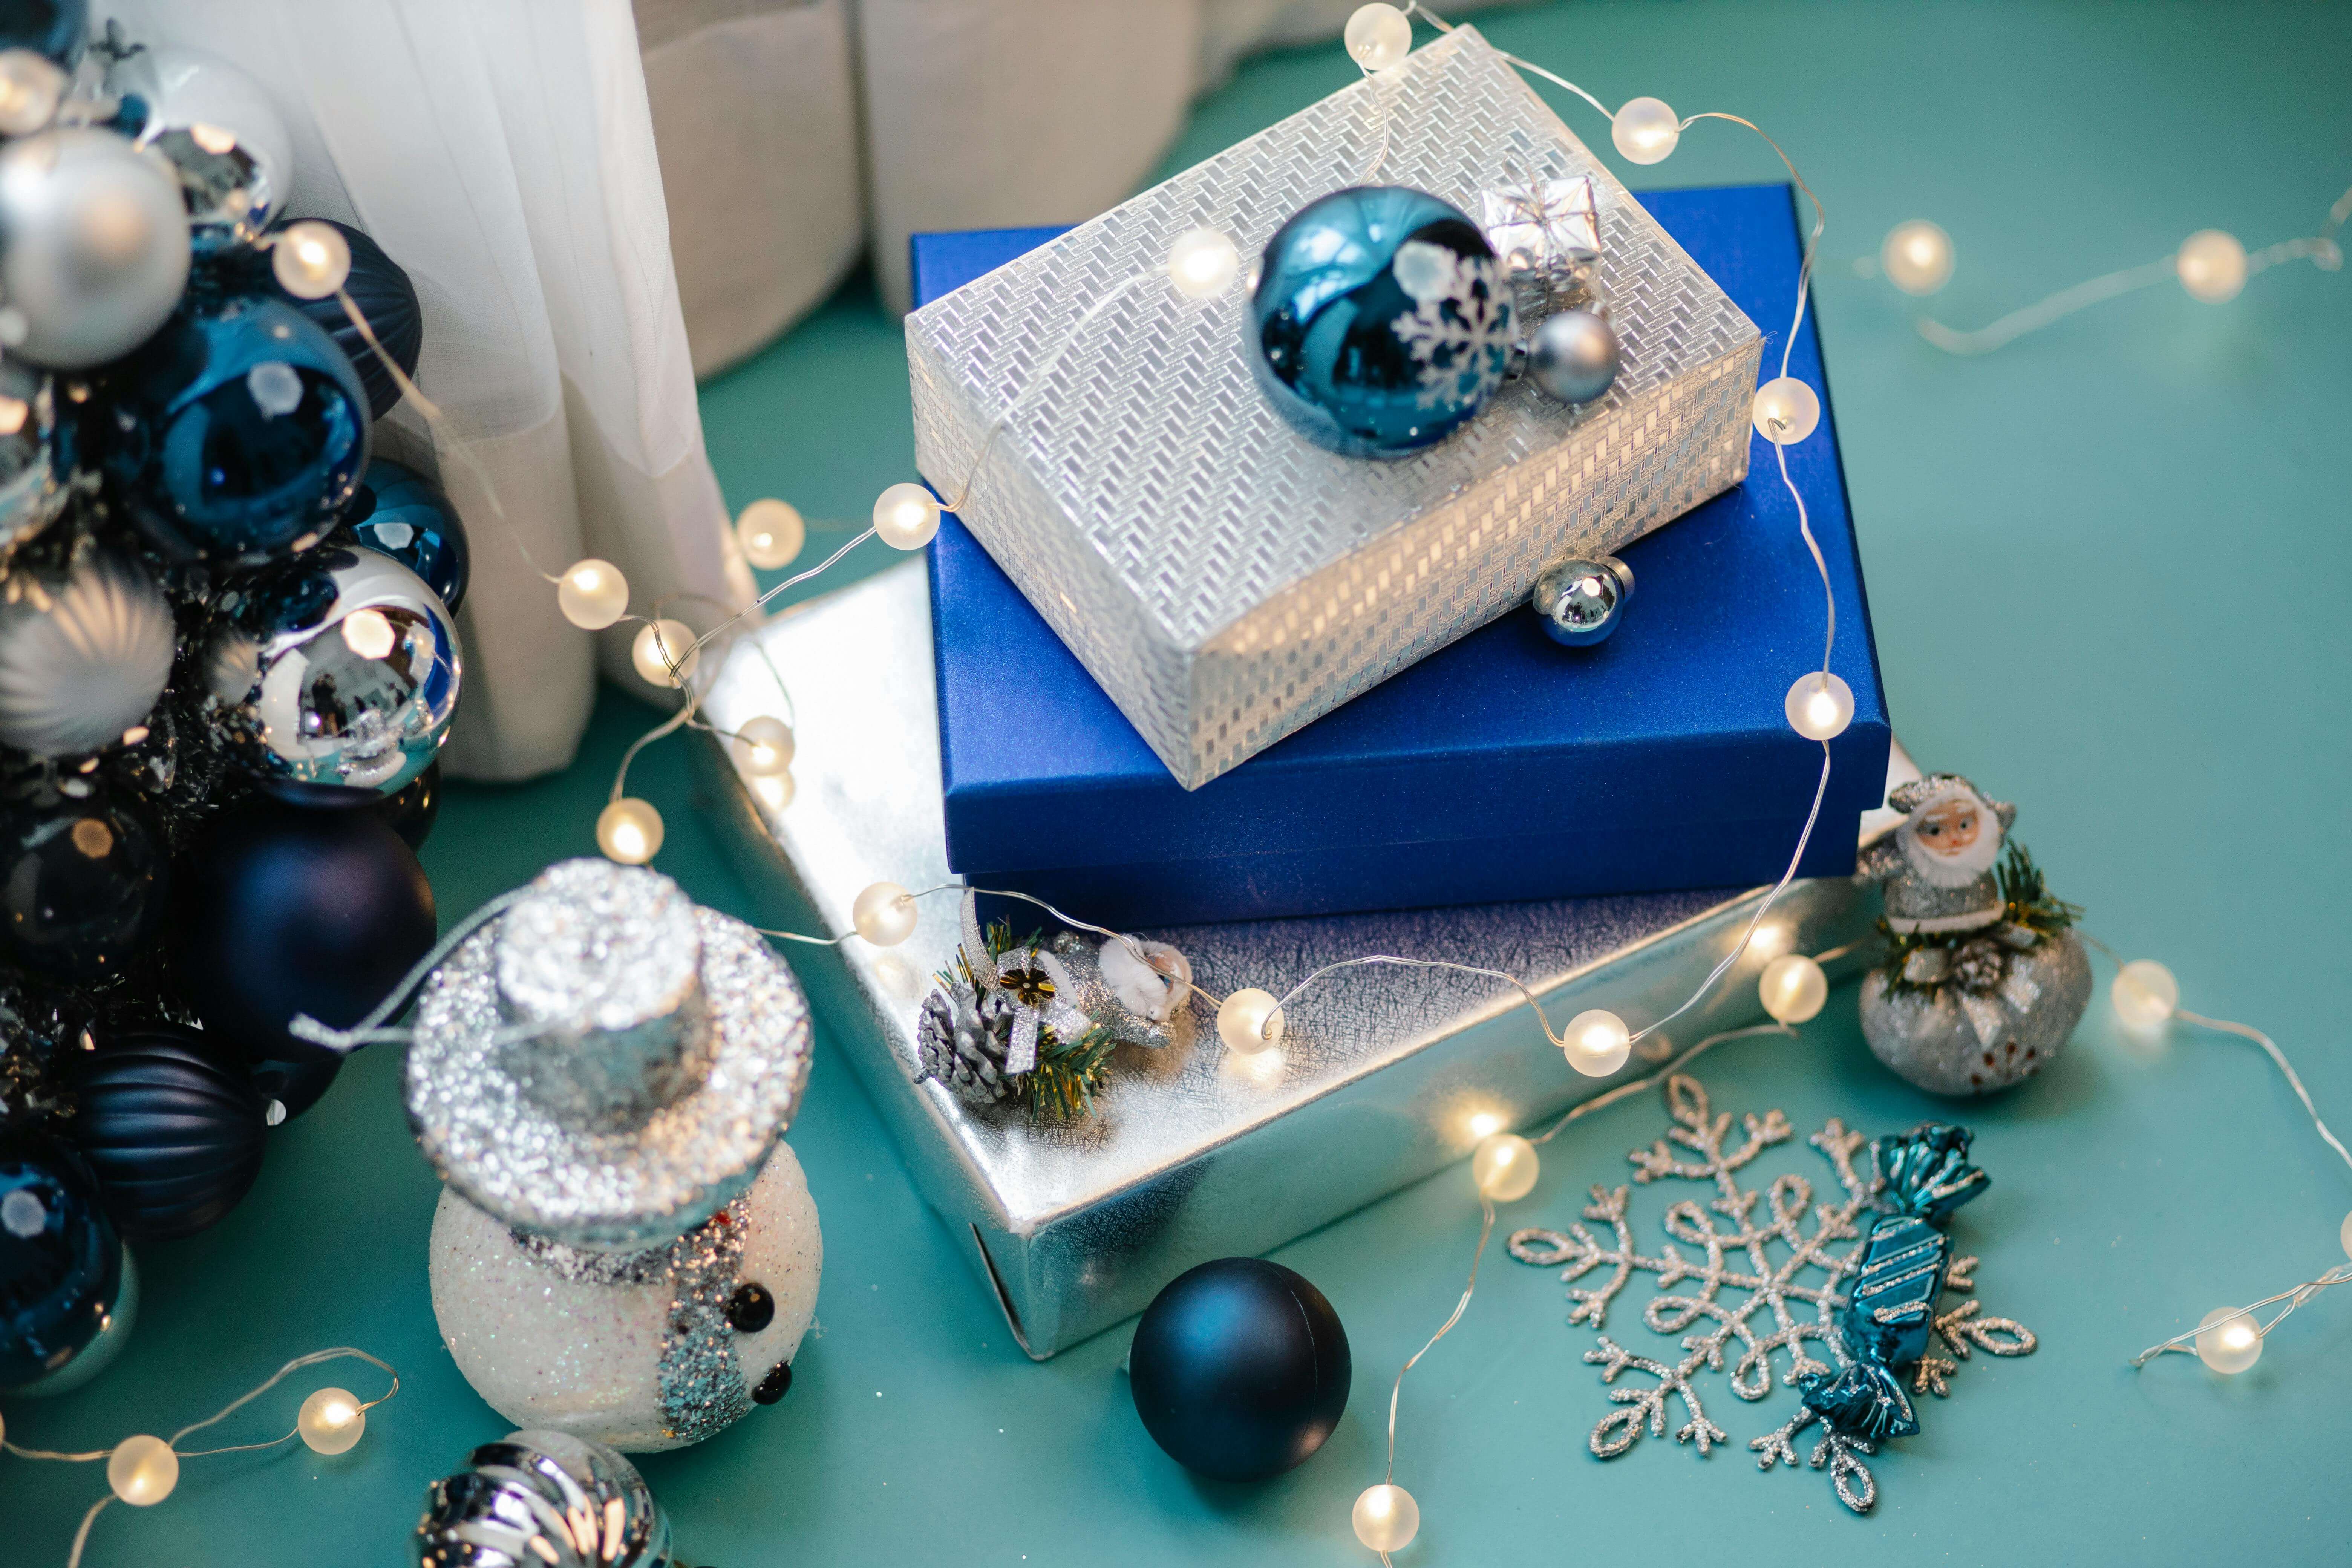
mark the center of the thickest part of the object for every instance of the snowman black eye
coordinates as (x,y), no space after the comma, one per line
(775,1385)
(750,1308)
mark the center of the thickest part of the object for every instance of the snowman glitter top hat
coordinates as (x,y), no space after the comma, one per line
(604,1065)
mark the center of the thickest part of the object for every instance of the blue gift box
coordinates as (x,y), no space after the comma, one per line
(1502,767)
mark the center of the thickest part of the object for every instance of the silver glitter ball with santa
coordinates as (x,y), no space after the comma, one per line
(1580,603)
(605,1065)
(542,1499)
(93,247)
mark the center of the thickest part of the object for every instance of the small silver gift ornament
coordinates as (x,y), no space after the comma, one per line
(1547,229)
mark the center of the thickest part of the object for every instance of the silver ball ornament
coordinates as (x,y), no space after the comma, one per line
(81,659)
(334,676)
(1581,602)
(1573,356)
(543,1499)
(220,131)
(93,247)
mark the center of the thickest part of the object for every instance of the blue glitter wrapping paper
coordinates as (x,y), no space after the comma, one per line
(1500,768)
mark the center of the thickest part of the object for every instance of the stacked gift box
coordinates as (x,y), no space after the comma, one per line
(1180,672)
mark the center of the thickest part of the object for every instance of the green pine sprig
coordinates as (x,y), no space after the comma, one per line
(2026,901)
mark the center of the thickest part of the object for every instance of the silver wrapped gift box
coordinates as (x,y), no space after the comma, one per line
(1383,1076)
(1223,579)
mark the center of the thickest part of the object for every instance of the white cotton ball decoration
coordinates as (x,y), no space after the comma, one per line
(83,660)
(1153,986)
(640,1351)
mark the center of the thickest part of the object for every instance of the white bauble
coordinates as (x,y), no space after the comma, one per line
(589,1342)
(82,659)
(93,247)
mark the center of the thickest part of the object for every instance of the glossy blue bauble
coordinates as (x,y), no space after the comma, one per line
(400,513)
(1382,321)
(284,911)
(172,1128)
(236,431)
(82,886)
(60,1261)
(387,300)
(1239,1369)
(56,28)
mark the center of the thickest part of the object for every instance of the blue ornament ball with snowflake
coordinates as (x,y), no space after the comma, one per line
(1381,323)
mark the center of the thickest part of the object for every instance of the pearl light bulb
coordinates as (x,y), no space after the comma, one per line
(142,1471)
(331,1421)
(1379,37)
(1819,705)
(1785,411)
(31,86)
(1916,256)
(1386,1517)
(906,516)
(1506,1167)
(2145,993)
(776,791)
(665,653)
(1249,1022)
(1598,1043)
(312,259)
(2344,1235)
(763,746)
(629,831)
(2228,1341)
(2212,266)
(1645,130)
(771,533)
(884,914)
(1203,263)
(1793,988)
(593,595)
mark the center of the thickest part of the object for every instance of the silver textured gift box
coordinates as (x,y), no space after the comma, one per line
(1383,1076)
(1223,579)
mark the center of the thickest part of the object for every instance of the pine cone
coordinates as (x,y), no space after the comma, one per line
(1979,964)
(962,1039)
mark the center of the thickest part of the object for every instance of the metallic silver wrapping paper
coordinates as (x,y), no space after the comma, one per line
(1193,1153)
(1227,581)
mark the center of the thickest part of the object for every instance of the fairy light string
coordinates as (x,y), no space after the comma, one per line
(144,1470)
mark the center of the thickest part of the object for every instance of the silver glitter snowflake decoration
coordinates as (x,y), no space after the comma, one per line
(1459,329)
(1757,1285)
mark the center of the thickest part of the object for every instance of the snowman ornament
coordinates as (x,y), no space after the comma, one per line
(623,1251)
(1985,978)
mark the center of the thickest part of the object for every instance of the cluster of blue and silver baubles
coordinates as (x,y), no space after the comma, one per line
(228,661)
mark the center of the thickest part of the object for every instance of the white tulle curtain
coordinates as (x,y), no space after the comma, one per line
(502,151)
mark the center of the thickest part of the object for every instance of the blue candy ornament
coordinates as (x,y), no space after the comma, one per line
(400,513)
(62,1267)
(1382,321)
(236,432)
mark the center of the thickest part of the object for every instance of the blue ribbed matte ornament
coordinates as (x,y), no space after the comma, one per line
(60,1262)
(1239,1369)
(82,886)
(387,300)
(173,1132)
(285,912)
(236,431)
(1382,321)
(403,515)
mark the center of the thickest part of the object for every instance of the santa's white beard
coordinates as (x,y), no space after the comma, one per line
(1952,871)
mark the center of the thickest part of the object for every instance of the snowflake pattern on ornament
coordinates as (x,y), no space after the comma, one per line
(1738,1281)
(1459,329)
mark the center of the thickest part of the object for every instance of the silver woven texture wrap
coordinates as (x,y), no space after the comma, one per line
(1193,1153)
(606,1064)
(1225,580)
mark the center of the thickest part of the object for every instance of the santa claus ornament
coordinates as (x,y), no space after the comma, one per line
(1984,979)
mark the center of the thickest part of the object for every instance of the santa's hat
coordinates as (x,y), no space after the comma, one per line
(1920,792)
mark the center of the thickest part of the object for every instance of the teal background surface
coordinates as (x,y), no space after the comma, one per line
(2108,567)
